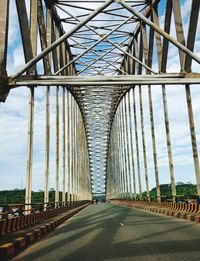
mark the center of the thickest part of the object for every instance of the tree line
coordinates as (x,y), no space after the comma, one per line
(17,196)
(183,191)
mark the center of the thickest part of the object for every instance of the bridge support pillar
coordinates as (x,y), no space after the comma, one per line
(143,143)
(132,148)
(30,153)
(154,145)
(137,144)
(169,149)
(193,136)
(4,15)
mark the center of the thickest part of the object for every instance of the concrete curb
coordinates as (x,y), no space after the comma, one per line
(9,250)
(193,217)
(6,251)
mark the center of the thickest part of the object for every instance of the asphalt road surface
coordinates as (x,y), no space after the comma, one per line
(109,232)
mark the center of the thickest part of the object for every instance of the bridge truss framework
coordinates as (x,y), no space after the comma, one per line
(98,53)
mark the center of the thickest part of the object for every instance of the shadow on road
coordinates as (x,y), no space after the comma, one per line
(106,232)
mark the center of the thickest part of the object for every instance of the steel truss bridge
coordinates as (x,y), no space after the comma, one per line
(98,53)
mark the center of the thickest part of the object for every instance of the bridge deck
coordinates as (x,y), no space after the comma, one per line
(108,232)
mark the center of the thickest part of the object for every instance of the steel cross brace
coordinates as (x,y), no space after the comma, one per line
(118,69)
(160,31)
(92,46)
(101,57)
(61,39)
(115,45)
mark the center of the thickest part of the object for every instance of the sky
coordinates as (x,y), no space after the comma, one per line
(14,115)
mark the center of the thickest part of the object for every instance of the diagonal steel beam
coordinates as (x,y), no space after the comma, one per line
(100,57)
(116,45)
(60,40)
(133,57)
(93,67)
(92,46)
(93,51)
(102,69)
(118,69)
(161,32)
(96,69)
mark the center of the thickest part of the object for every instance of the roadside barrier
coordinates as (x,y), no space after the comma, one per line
(9,250)
(13,224)
(188,211)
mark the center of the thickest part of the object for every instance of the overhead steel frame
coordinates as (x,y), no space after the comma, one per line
(100,104)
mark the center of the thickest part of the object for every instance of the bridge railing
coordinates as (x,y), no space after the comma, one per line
(181,207)
(14,223)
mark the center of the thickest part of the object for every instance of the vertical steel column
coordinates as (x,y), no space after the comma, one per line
(112,180)
(192,30)
(33,26)
(116,151)
(30,152)
(28,53)
(119,154)
(57,64)
(137,144)
(46,31)
(169,149)
(4,14)
(109,171)
(127,164)
(76,151)
(69,146)
(131,146)
(193,136)
(80,155)
(72,149)
(165,47)
(143,143)
(47,151)
(66,144)
(110,165)
(47,142)
(154,145)
(128,143)
(125,144)
(64,148)
(122,154)
(57,148)
(113,162)
(64,72)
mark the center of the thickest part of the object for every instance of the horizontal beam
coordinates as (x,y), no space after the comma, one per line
(168,79)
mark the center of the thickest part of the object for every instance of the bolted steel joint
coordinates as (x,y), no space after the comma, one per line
(4,89)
